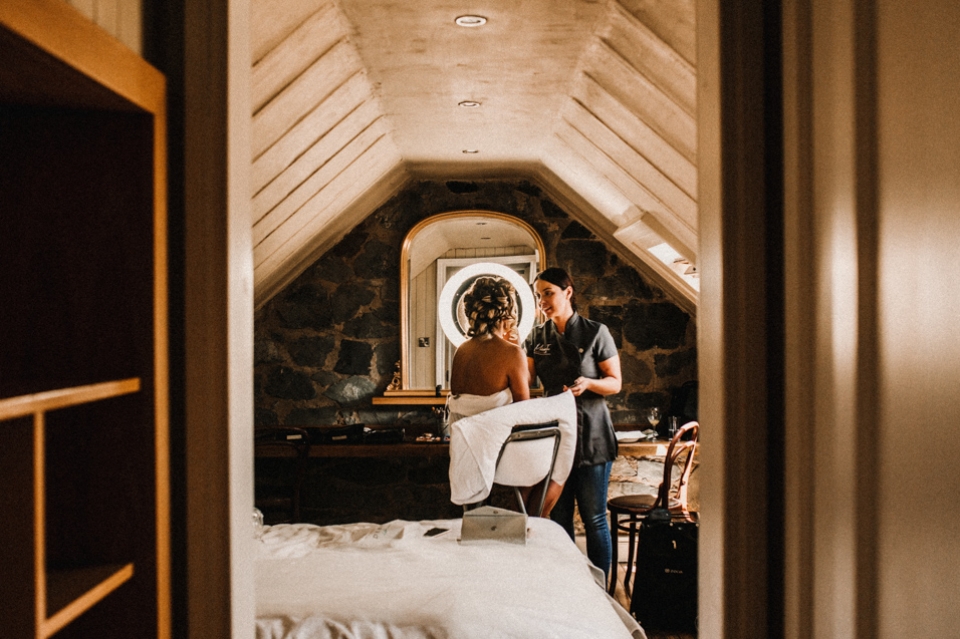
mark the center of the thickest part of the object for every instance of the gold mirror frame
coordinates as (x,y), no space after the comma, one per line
(405,255)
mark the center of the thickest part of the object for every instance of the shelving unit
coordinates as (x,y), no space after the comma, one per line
(84,539)
(61,595)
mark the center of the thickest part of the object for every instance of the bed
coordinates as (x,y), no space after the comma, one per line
(415,580)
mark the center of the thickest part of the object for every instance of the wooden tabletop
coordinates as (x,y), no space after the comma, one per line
(426,449)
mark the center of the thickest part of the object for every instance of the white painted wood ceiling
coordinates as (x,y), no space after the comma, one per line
(595,101)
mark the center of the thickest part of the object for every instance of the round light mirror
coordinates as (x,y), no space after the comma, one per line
(440,258)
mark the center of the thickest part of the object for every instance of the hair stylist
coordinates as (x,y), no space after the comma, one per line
(570,352)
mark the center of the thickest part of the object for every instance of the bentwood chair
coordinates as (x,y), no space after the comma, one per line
(636,507)
(280,462)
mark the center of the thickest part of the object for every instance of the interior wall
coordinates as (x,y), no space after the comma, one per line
(873,146)
(329,342)
(123,19)
(918,277)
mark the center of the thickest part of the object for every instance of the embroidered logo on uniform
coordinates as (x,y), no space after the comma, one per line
(541,349)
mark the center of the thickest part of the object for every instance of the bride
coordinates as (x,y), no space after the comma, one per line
(490,369)
(490,365)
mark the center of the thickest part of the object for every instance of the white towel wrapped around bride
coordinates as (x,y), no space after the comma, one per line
(475,444)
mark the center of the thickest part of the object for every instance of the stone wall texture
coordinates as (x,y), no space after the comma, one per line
(329,342)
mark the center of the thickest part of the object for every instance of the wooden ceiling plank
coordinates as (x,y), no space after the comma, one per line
(278,216)
(316,156)
(324,116)
(346,185)
(377,188)
(278,68)
(674,22)
(652,57)
(300,96)
(632,161)
(638,134)
(588,153)
(633,190)
(643,98)
(274,20)
(559,188)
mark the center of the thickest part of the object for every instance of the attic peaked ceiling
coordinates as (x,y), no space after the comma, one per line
(593,100)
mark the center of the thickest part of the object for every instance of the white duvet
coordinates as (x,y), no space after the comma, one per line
(367,581)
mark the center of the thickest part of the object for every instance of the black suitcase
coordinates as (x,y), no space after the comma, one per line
(664,593)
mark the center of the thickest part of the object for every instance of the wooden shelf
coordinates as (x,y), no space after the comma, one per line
(83,272)
(410,400)
(71,592)
(24,405)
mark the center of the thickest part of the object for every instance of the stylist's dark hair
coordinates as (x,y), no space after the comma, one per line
(559,277)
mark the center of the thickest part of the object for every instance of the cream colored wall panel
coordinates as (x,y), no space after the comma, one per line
(674,22)
(310,189)
(918,279)
(299,97)
(637,193)
(86,7)
(323,117)
(315,157)
(294,54)
(652,57)
(120,18)
(325,208)
(423,365)
(638,135)
(271,21)
(130,24)
(666,192)
(643,98)
(107,14)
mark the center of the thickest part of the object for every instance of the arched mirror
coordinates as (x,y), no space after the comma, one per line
(440,259)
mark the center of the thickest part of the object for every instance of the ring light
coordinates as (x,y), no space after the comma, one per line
(456,286)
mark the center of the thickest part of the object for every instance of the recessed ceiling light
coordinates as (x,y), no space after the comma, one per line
(471,21)
(469,104)
(471,151)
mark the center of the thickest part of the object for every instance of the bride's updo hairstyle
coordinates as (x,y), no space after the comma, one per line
(488,302)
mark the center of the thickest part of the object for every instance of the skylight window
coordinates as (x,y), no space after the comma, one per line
(677,263)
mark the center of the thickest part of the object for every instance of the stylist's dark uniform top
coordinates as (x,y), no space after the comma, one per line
(559,360)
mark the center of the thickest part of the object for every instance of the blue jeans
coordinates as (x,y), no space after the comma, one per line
(587,485)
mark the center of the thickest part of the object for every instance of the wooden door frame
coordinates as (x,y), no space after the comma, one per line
(740,334)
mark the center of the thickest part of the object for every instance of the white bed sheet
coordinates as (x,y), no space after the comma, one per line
(367,581)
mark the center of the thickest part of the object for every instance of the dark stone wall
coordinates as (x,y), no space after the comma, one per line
(329,341)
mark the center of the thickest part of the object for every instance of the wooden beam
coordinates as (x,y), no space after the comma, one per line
(674,22)
(638,134)
(314,158)
(643,98)
(377,175)
(301,95)
(324,116)
(652,57)
(633,162)
(634,191)
(275,20)
(312,39)
(290,207)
